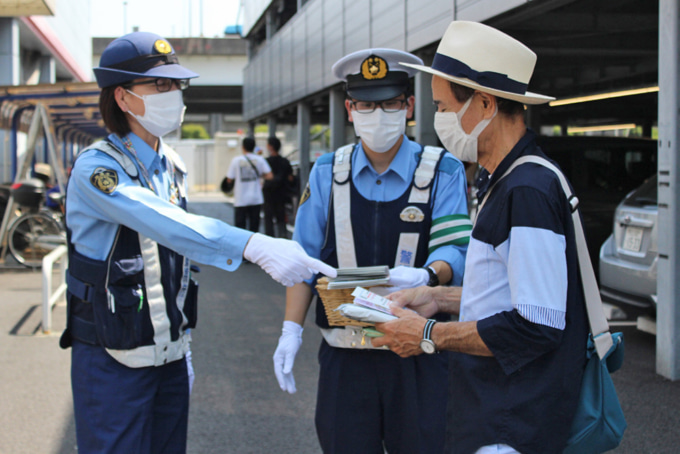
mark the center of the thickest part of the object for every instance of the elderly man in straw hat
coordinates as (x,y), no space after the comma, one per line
(521,339)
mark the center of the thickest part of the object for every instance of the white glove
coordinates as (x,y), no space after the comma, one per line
(403,277)
(284,356)
(284,260)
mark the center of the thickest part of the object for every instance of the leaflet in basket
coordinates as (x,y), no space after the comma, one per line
(368,307)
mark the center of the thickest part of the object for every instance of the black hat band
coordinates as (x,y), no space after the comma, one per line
(143,63)
(488,79)
(393,78)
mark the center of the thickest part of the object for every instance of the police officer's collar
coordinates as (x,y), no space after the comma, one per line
(145,153)
(400,165)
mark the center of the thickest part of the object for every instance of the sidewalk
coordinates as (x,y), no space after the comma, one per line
(35,374)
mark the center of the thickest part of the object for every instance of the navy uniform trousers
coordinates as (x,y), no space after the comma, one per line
(413,412)
(145,410)
(366,397)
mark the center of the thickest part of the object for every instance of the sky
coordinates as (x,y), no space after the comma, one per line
(168,18)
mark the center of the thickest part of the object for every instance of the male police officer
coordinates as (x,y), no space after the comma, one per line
(385,201)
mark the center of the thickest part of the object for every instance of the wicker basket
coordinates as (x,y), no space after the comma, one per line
(331,299)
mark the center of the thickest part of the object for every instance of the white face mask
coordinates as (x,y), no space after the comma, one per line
(379,130)
(163,112)
(450,131)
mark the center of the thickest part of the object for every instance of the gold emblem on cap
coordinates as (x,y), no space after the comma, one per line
(104,179)
(374,67)
(162,46)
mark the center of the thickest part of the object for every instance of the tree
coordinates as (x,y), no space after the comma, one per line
(194,131)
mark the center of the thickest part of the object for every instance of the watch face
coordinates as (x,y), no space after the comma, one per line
(427,346)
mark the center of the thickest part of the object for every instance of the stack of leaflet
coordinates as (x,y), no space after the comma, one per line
(366,276)
(368,307)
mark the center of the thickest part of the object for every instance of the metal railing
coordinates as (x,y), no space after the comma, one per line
(49,298)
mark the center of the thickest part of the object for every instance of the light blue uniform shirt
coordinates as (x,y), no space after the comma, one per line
(94,216)
(449,193)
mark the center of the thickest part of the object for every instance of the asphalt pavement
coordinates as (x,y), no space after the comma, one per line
(236,405)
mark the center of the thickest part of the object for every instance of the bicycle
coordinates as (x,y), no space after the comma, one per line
(39,229)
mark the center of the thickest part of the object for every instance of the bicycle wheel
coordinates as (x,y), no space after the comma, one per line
(32,236)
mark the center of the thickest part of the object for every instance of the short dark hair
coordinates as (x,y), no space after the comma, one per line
(115,119)
(507,107)
(249,144)
(275,143)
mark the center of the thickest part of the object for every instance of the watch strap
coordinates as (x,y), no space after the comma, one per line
(434,279)
(427,331)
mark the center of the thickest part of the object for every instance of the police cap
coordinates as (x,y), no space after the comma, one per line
(376,74)
(137,55)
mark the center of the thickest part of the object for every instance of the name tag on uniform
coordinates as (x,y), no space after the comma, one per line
(412,214)
(407,249)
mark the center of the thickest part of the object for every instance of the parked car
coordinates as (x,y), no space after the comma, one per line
(602,170)
(628,259)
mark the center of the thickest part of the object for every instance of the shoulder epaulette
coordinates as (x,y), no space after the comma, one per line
(121,158)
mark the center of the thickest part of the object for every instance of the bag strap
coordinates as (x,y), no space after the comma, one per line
(598,322)
(252,165)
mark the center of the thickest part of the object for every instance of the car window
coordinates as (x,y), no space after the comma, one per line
(645,195)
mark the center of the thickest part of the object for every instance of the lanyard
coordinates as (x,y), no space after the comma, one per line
(145,173)
(173,192)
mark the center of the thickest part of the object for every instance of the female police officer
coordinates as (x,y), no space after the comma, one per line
(130,293)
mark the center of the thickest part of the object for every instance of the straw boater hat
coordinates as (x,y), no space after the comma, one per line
(480,57)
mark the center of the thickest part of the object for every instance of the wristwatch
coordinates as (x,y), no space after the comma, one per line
(434,279)
(426,344)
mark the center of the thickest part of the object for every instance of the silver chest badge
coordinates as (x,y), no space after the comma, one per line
(412,214)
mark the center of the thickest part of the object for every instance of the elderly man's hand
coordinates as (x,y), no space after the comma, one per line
(428,301)
(420,299)
(403,335)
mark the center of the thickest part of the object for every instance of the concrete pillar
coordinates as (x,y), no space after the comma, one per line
(269,24)
(271,125)
(215,123)
(303,120)
(9,51)
(48,70)
(338,118)
(9,75)
(425,109)
(668,223)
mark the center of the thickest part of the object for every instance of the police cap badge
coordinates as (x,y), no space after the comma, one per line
(374,67)
(162,46)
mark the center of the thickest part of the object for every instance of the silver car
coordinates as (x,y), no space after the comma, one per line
(628,258)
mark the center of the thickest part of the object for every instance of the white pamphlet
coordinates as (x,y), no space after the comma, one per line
(369,299)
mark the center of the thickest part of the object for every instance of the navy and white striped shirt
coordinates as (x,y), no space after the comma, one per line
(523,287)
